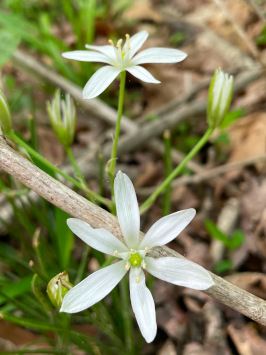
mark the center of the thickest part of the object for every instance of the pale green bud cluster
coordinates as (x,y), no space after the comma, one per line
(57,288)
(219,98)
(5,114)
(62,114)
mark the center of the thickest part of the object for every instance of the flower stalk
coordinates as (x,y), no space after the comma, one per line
(117,129)
(167,172)
(177,170)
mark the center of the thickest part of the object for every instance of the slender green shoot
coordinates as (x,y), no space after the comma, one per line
(177,170)
(117,129)
(167,172)
(125,305)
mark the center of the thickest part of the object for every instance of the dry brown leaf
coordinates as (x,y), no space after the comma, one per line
(253,282)
(248,137)
(168,348)
(172,320)
(247,340)
(142,10)
(49,146)
(195,349)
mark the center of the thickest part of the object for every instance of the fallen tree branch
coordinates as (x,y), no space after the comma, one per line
(77,206)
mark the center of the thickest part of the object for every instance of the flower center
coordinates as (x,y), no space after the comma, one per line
(135,259)
(122,52)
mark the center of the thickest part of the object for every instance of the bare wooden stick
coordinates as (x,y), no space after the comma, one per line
(77,206)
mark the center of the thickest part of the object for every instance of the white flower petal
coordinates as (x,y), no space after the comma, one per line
(108,50)
(137,41)
(142,74)
(99,239)
(86,56)
(100,81)
(180,272)
(143,305)
(159,55)
(94,288)
(167,228)
(127,209)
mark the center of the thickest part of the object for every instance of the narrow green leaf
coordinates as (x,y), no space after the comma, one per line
(30,323)
(8,44)
(223,266)
(14,289)
(232,116)
(236,239)
(64,237)
(215,232)
(34,351)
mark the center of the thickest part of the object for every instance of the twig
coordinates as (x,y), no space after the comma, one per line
(189,112)
(77,206)
(206,174)
(241,33)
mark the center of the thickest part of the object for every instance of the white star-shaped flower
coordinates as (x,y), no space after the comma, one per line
(134,258)
(120,58)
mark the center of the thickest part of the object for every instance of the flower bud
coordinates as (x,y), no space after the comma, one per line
(219,98)
(5,114)
(62,114)
(57,288)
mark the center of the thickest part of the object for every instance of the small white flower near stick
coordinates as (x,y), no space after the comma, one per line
(133,255)
(122,58)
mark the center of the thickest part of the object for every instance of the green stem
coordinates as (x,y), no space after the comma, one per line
(126,314)
(54,168)
(101,175)
(167,172)
(75,165)
(117,129)
(33,135)
(64,336)
(83,264)
(90,193)
(177,170)
(39,295)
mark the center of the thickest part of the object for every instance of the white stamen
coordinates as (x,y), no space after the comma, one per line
(147,250)
(137,280)
(116,253)
(127,267)
(132,251)
(143,264)
(111,42)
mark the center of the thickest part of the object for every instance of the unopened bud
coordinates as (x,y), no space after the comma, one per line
(219,98)
(5,114)
(62,115)
(57,288)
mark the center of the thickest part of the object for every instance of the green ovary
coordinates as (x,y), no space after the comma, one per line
(135,259)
